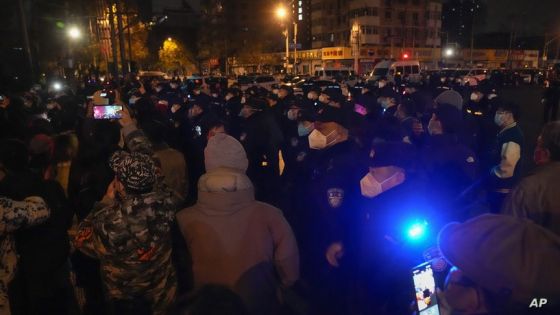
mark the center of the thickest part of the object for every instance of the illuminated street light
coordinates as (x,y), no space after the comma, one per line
(281,12)
(57,86)
(169,39)
(74,33)
(449,52)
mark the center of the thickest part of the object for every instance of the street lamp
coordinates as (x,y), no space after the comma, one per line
(449,52)
(74,33)
(282,14)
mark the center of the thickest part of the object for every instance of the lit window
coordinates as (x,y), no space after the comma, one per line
(300,17)
(300,3)
(300,10)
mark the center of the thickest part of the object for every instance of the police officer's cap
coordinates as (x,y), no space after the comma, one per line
(258,103)
(286,88)
(272,96)
(394,153)
(331,114)
(234,91)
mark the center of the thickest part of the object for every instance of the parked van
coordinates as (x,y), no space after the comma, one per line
(332,73)
(390,69)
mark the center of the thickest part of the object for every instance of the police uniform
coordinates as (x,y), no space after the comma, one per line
(332,216)
(261,137)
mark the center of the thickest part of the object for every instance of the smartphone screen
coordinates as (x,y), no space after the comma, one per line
(425,290)
(107,112)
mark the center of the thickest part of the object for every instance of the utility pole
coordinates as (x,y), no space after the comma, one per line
(121,37)
(128,26)
(26,38)
(114,71)
(295,48)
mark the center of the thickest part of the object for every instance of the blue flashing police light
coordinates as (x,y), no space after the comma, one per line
(417,231)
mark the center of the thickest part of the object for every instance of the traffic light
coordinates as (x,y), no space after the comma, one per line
(405,56)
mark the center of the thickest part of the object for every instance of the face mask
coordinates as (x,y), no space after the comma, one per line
(371,188)
(196,92)
(386,103)
(158,89)
(27,104)
(245,112)
(318,141)
(381,84)
(491,96)
(292,114)
(442,80)
(434,127)
(303,130)
(323,98)
(474,97)
(243,100)
(133,100)
(214,95)
(499,119)
(228,97)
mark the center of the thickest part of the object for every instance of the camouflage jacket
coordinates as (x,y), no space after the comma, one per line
(15,215)
(131,238)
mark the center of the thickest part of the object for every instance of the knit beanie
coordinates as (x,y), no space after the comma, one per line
(450,97)
(513,258)
(225,151)
(136,171)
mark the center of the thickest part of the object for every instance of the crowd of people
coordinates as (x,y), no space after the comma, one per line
(217,200)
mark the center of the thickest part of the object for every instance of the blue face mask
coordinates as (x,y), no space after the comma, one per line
(303,131)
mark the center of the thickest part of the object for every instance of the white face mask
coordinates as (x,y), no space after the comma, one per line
(228,97)
(386,103)
(245,112)
(434,127)
(491,96)
(499,119)
(474,97)
(133,100)
(158,89)
(318,141)
(243,100)
(292,114)
(304,130)
(371,188)
(381,84)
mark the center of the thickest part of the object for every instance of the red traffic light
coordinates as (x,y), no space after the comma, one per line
(405,56)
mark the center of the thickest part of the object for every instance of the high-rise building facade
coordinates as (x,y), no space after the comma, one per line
(395,23)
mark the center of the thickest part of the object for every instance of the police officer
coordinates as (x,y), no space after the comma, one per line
(261,137)
(450,166)
(331,215)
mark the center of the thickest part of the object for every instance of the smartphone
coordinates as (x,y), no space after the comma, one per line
(107,112)
(425,290)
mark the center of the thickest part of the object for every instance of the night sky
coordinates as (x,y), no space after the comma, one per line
(531,17)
